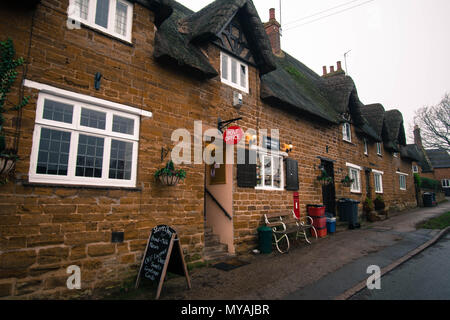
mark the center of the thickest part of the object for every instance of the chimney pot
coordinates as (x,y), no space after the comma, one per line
(324,68)
(339,65)
(331,69)
(272,13)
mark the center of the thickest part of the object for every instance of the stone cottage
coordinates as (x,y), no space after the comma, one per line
(111,81)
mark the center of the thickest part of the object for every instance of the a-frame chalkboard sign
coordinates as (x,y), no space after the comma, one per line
(163,254)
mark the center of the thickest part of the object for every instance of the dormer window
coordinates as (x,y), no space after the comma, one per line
(233,72)
(113,17)
(347,132)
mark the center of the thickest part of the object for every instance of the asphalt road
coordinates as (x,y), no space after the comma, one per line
(424,277)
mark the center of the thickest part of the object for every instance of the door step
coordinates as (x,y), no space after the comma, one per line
(214,250)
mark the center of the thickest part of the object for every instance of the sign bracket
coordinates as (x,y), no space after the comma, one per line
(222,124)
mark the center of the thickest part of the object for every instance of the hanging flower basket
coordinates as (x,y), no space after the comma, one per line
(347,182)
(168,176)
(169,180)
(324,178)
(7,162)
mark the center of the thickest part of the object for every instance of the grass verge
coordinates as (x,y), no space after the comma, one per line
(441,222)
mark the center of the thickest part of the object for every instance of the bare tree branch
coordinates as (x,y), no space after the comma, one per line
(434,123)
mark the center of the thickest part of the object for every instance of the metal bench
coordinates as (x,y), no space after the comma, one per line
(283,224)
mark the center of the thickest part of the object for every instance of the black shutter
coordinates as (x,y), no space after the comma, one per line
(292,175)
(246,173)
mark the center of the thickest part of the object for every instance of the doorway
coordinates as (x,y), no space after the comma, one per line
(329,191)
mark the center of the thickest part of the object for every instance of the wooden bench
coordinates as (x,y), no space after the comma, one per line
(283,224)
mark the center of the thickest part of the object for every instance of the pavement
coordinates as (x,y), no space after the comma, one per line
(330,268)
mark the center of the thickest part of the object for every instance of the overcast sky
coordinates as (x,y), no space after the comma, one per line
(400,49)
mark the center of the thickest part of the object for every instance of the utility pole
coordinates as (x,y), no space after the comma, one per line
(345,59)
(281,25)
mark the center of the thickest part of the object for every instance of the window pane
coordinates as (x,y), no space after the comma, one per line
(82,7)
(354,175)
(121,18)
(224,67)
(53,156)
(90,156)
(259,170)
(277,172)
(233,71)
(101,13)
(57,111)
(121,159)
(123,125)
(93,119)
(267,171)
(243,76)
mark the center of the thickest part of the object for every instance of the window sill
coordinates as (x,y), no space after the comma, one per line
(356,192)
(84,187)
(268,189)
(348,141)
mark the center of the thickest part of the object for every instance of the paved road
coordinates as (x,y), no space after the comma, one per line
(424,277)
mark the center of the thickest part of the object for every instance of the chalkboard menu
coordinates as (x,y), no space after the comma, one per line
(163,253)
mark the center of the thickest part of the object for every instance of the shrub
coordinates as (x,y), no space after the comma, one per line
(426,183)
(368,205)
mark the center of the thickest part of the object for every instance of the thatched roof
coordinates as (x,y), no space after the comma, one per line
(439,158)
(162,8)
(293,85)
(395,130)
(374,113)
(179,38)
(412,152)
(285,82)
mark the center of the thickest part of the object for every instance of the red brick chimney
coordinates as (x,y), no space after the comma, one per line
(325,72)
(273,31)
(339,66)
(417,137)
(331,69)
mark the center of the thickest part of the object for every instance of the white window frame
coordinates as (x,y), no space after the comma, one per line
(76,129)
(228,80)
(415,169)
(395,154)
(366,148)
(271,153)
(347,132)
(376,174)
(90,21)
(355,187)
(402,176)
(379,149)
(445,183)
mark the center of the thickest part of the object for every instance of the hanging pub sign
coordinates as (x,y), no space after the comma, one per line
(233,135)
(271,144)
(163,254)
